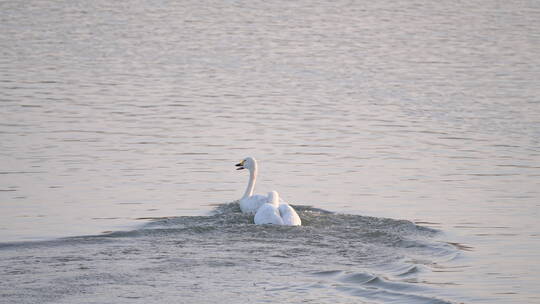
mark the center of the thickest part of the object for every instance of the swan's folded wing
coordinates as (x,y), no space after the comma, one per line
(268,214)
(252,203)
(289,215)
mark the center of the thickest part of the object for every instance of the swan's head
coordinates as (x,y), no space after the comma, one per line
(273,198)
(247,163)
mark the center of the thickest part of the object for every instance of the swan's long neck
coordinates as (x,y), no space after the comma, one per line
(251,184)
(273,198)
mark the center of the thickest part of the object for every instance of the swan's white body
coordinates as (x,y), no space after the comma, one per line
(273,206)
(268,213)
(289,215)
(253,203)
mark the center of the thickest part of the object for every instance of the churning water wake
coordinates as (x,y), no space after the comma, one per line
(225,258)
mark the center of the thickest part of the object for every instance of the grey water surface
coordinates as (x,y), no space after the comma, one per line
(415,123)
(225,257)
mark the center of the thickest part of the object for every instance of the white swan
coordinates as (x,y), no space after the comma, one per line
(268,213)
(250,203)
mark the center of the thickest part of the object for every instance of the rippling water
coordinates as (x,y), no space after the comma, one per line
(113,113)
(208,258)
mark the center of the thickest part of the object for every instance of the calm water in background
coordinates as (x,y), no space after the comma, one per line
(428,112)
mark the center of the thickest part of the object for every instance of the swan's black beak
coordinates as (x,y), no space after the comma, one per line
(240,166)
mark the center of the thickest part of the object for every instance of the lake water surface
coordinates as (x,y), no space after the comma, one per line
(417,123)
